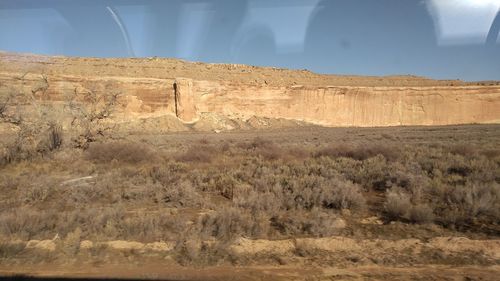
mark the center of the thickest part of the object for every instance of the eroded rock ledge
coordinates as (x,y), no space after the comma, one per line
(158,87)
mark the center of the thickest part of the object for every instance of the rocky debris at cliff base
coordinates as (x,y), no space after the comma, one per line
(207,122)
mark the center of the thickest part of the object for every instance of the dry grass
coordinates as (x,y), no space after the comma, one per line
(360,152)
(132,153)
(199,154)
(254,187)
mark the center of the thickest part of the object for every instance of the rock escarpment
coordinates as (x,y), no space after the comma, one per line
(157,87)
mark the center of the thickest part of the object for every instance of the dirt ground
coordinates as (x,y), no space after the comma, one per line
(161,272)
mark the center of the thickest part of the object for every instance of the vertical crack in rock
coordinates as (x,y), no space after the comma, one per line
(185,102)
(175,100)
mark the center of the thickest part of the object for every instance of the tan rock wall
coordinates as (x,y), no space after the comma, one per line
(330,106)
(353,106)
(137,97)
(185,95)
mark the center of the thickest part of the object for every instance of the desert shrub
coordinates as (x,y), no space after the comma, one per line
(483,171)
(257,142)
(421,213)
(298,152)
(105,222)
(270,152)
(475,199)
(215,181)
(32,140)
(110,223)
(246,197)
(150,227)
(223,184)
(360,152)
(55,136)
(27,224)
(198,153)
(188,250)
(10,250)
(37,192)
(270,186)
(397,204)
(126,152)
(373,173)
(181,194)
(230,223)
(343,195)
(51,139)
(264,148)
(322,224)
(86,193)
(491,153)
(168,173)
(71,243)
(450,205)
(314,223)
(463,149)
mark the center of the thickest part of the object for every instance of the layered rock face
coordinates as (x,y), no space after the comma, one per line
(354,106)
(154,87)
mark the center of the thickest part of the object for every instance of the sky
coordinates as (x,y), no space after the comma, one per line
(442,39)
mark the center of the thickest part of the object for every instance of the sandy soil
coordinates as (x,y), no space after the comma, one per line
(160,272)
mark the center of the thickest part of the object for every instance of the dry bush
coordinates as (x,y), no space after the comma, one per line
(298,152)
(168,173)
(315,223)
(466,203)
(71,244)
(38,129)
(360,152)
(262,147)
(181,194)
(229,223)
(50,139)
(33,140)
(260,197)
(378,174)
(90,111)
(37,192)
(26,223)
(454,206)
(246,197)
(269,188)
(188,250)
(199,154)
(86,193)
(151,227)
(10,250)
(257,142)
(127,152)
(269,151)
(222,183)
(343,195)
(397,204)
(491,153)
(463,149)
(421,213)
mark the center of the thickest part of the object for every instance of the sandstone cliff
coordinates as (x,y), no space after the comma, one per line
(158,87)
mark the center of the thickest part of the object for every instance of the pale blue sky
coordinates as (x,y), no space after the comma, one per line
(453,39)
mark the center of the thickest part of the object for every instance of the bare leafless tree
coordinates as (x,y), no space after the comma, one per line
(36,132)
(89,111)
